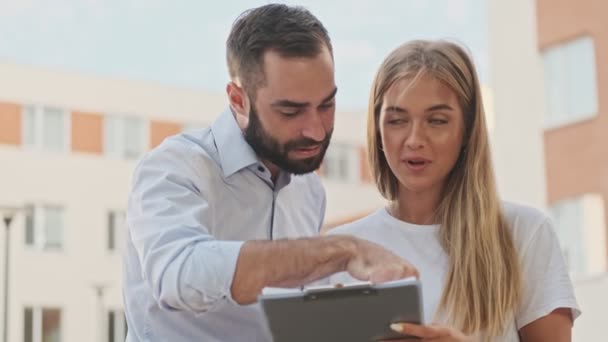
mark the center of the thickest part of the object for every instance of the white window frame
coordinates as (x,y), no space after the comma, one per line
(40,234)
(39,123)
(119,136)
(37,321)
(562,52)
(591,232)
(353,163)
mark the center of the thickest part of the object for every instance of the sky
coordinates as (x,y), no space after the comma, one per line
(181,42)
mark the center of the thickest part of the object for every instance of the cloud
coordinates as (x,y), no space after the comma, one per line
(481,57)
(457,11)
(33,11)
(354,51)
(11,8)
(184,43)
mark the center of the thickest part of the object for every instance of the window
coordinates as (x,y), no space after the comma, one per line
(46,128)
(116,229)
(28,325)
(30,229)
(341,163)
(117,326)
(125,137)
(41,325)
(570,82)
(44,227)
(581,229)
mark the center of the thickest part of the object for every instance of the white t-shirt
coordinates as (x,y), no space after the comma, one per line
(546,284)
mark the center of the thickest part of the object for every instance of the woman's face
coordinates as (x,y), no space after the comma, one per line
(421,128)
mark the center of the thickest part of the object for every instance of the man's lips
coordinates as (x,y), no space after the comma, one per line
(308,151)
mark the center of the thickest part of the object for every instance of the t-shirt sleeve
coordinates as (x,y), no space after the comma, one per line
(546,283)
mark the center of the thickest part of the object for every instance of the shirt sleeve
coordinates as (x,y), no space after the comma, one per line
(186,268)
(546,283)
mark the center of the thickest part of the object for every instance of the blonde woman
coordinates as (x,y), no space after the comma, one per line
(490,271)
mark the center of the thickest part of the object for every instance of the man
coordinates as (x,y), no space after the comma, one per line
(217,215)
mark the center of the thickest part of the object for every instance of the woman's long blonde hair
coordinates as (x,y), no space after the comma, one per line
(483,284)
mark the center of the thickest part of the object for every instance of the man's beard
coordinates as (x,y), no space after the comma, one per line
(268,148)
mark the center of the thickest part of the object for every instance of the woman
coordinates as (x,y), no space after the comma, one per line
(490,271)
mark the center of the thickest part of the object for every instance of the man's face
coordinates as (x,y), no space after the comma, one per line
(292,118)
(267,147)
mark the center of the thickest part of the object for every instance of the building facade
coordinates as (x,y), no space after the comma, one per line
(68,147)
(573,43)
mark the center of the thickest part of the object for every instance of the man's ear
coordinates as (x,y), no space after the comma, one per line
(239,102)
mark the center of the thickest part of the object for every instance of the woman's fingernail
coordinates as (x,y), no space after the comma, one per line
(397,327)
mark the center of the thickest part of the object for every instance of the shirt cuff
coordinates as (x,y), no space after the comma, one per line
(229,252)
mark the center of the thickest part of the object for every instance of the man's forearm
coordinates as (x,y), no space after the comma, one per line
(288,263)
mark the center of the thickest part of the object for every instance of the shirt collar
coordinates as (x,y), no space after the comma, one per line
(234,152)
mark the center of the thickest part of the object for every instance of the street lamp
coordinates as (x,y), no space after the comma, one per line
(100,289)
(8,214)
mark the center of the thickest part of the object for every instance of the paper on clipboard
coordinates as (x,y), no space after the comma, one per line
(316,287)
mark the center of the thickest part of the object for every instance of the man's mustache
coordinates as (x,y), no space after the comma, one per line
(307,143)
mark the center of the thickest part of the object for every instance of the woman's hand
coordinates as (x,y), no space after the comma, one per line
(436,333)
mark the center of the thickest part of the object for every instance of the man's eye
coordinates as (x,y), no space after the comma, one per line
(289,113)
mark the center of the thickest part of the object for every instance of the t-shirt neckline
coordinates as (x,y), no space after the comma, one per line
(410,227)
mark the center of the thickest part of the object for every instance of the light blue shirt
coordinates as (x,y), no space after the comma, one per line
(195,199)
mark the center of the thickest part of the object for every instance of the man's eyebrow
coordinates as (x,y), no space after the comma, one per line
(289,103)
(330,96)
(295,104)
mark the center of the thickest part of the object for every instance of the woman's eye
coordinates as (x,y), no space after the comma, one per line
(438,121)
(396,121)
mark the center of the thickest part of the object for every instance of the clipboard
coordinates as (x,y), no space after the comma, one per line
(360,312)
